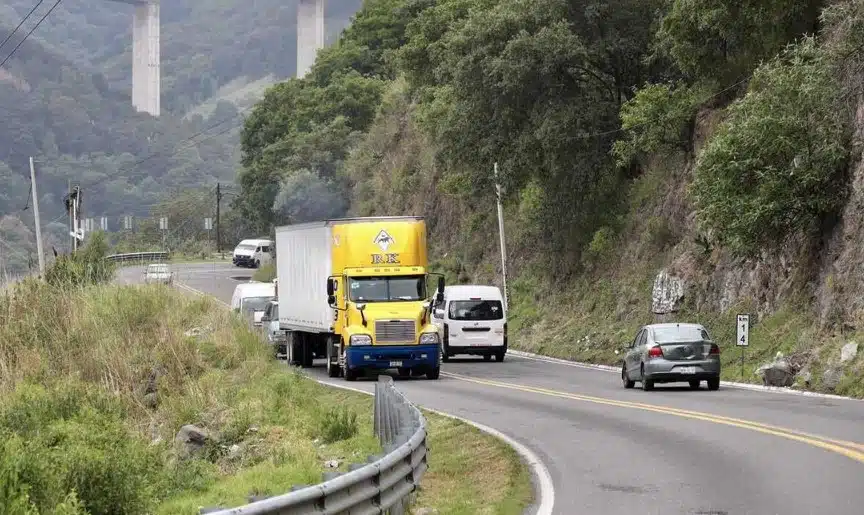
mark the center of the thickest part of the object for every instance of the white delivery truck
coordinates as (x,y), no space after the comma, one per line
(471,320)
(252,253)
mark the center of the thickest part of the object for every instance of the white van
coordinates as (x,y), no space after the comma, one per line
(471,320)
(253,296)
(252,253)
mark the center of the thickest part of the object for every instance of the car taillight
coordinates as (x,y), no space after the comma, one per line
(714,349)
(655,352)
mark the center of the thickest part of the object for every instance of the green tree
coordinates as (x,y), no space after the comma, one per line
(777,165)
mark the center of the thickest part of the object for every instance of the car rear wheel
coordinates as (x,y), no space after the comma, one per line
(626,380)
(647,384)
(714,384)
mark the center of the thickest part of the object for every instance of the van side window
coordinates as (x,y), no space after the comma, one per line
(265,249)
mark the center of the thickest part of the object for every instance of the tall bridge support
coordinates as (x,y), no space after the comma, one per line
(310,34)
(146,74)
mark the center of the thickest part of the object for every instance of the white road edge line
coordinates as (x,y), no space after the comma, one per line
(545,487)
(543,479)
(728,384)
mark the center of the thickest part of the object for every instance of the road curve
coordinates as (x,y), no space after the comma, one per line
(616,451)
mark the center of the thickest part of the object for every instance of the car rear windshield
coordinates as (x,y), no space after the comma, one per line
(682,333)
(476,310)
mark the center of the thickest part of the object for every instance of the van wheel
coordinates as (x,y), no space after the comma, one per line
(499,357)
(487,357)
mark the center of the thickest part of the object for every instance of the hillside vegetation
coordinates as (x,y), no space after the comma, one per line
(139,399)
(715,141)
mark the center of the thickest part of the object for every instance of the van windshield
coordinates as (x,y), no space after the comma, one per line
(255,303)
(387,289)
(246,246)
(476,310)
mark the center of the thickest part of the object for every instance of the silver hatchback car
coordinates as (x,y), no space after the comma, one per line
(672,353)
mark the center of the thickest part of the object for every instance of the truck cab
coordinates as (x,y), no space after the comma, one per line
(471,320)
(357,287)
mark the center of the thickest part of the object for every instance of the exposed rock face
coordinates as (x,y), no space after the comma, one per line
(667,294)
(848,352)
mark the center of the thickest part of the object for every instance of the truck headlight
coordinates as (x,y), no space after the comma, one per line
(429,339)
(360,339)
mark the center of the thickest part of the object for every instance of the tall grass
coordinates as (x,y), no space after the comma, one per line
(95,381)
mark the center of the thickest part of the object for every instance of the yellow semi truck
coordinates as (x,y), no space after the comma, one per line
(354,291)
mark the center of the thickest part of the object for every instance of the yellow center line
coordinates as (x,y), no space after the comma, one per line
(849,449)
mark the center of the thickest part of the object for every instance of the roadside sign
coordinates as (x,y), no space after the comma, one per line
(163,223)
(103,223)
(743,326)
(208,224)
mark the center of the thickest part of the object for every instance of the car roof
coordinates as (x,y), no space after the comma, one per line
(466,291)
(674,324)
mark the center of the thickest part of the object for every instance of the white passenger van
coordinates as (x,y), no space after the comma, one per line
(253,296)
(252,253)
(471,320)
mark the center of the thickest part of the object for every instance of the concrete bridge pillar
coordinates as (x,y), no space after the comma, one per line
(310,34)
(146,78)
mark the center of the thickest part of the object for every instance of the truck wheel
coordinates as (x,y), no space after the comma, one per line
(404,372)
(434,373)
(333,369)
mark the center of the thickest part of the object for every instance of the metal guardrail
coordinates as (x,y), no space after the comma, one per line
(159,255)
(385,484)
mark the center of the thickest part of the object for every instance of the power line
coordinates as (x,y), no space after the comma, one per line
(31,32)
(20,23)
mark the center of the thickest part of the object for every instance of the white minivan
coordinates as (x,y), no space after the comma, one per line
(252,253)
(254,297)
(471,320)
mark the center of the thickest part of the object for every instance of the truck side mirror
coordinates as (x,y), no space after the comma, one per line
(441,285)
(438,313)
(330,289)
(439,297)
(331,300)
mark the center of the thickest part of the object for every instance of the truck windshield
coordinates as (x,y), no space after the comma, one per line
(387,289)
(476,310)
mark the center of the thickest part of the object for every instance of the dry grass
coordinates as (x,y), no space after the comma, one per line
(471,472)
(75,368)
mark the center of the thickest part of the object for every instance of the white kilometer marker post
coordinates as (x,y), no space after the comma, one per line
(743,338)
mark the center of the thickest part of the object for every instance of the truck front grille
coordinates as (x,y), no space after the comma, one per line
(395,331)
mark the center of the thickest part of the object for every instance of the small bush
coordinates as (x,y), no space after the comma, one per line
(776,166)
(338,423)
(265,274)
(87,266)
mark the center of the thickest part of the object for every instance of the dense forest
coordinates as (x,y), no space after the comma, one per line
(708,144)
(65,100)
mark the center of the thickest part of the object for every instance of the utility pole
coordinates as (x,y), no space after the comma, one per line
(36,218)
(218,224)
(73,207)
(498,191)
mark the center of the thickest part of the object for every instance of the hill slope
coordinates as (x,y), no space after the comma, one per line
(661,160)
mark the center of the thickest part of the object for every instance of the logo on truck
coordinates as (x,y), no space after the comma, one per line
(383,240)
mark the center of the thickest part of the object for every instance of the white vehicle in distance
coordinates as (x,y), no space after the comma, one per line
(252,253)
(471,320)
(158,273)
(254,297)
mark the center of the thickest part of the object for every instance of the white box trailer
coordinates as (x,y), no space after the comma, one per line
(303,264)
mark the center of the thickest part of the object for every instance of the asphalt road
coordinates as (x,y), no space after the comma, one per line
(619,452)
